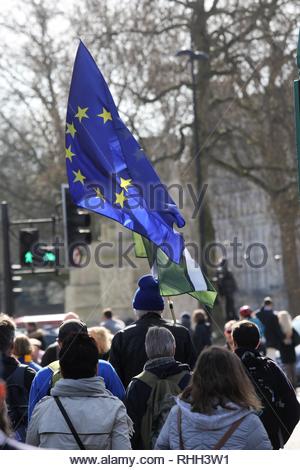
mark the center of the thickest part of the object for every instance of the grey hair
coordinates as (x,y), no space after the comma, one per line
(159,342)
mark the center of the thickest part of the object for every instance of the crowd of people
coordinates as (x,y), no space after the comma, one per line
(153,384)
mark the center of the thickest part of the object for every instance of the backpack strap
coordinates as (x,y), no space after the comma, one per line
(181,443)
(69,423)
(221,442)
(55,368)
(151,379)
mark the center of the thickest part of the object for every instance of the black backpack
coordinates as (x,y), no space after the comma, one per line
(261,372)
(17,401)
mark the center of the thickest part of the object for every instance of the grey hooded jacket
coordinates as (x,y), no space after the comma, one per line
(200,431)
(99,418)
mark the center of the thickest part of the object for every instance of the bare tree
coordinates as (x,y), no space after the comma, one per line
(244,99)
(33,101)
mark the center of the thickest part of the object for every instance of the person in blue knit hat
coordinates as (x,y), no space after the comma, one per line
(127,354)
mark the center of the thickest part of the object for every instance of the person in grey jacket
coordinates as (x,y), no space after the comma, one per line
(220,400)
(99,418)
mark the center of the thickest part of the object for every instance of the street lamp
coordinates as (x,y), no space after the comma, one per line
(192,57)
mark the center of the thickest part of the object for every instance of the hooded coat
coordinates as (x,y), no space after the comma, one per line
(42,383)
(202,431)
(99,418)
(138,392)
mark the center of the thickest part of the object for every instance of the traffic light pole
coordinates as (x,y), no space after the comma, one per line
(8,300)
(64,189)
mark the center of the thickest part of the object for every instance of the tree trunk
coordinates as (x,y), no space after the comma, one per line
(200,41)
(287,214)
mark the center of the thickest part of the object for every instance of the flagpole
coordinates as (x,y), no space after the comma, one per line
(171,307)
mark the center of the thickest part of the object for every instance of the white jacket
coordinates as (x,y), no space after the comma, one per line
(99,418)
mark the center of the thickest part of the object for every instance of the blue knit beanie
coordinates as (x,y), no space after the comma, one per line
(147,296)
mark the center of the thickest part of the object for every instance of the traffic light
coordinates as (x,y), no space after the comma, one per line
(28,238)
(46,255)
(77,223)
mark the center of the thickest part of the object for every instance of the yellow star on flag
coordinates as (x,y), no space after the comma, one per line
(125,183)
(120,198)
(81,113)
(71,129)
(99,194)
(69,153)
(78,177)
(105,115)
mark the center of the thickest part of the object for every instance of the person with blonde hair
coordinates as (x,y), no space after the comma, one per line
(228,334)
(218,410)
(287,346)
(23,352)
(103,339)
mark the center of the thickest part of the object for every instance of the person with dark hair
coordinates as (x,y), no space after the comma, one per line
(49,375)
(281,410)
(201,335)
(110,322)
(150,395)
(128,354)
(246,313)
(272,330)
(217,411)
(18,378)
(185,320)
(52,352)
(80,413)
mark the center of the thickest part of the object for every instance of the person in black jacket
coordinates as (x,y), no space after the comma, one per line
(18,378)
(127,354)
(227,287)
(160,367)
(202,334)
(281,409)
(7,442)
(273,333)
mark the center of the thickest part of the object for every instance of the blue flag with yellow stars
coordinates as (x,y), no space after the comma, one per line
(108,171)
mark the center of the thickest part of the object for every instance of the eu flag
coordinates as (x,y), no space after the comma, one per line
(108,172)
